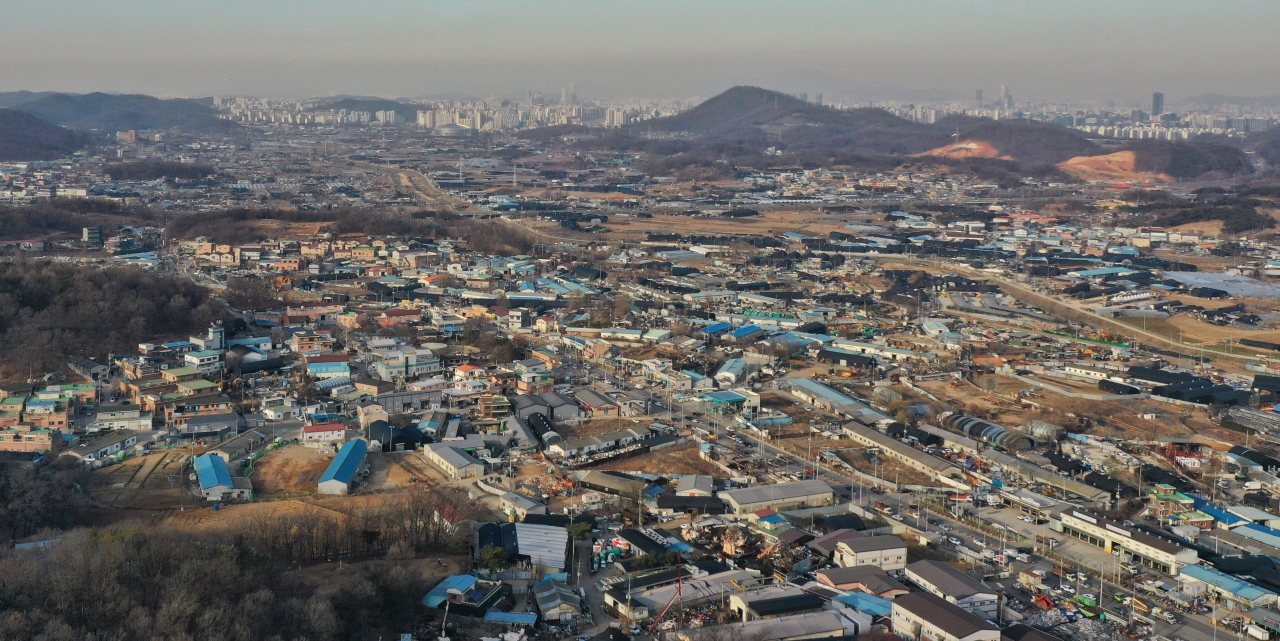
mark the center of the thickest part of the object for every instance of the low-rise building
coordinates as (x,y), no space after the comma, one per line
(454,462)
(885,552)
(324,434)
(921,616)
(955,586)
(216,482)
(112,445)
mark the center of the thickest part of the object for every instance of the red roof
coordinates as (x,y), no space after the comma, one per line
(327,427)
(329,358)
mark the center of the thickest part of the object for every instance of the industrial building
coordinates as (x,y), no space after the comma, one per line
(344,470)
(781,497)
(1154,552)
(454,462)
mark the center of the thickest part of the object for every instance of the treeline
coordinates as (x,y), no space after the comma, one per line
(237,226)
(50,312)
(62,214)
(36,496)
(153,582)
(166,584)
(1238,215)
(156,169)
(1188,160)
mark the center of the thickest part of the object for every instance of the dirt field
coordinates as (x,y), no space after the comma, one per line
(595,426)
(154,481)
(293,468)
(677,459)
(768,223)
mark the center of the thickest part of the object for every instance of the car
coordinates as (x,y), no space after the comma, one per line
(635,630)
(1068,589)
(944,527)
(897,517)
(954,541)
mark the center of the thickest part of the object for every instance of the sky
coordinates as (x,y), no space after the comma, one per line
(848,50)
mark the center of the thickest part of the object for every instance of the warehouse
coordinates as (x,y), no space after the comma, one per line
(344,470)
(1236,594)
(781,497)
(865,578)
(455,463)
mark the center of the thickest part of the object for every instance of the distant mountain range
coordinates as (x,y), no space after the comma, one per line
(751,119)
(15,98)
(110,113)
(24,137)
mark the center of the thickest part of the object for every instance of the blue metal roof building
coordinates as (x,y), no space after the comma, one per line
(458,583)
(342,471)
(216,482)
(1237,592)
(212,472)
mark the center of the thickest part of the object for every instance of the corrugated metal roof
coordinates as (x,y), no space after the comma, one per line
(212,472)
(346,463)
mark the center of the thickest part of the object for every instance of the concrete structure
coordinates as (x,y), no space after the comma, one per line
(885,552)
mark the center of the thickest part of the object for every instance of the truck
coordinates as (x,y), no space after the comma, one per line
(883,507)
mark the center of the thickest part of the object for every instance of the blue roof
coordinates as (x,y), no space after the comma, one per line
(1241,589)
(1222,516)
(458,583)
(866,603)
(511,617)
(718,327)
(212,471)
(725,397)
(346,463)
(1259,533)
(328,368)
(745,331)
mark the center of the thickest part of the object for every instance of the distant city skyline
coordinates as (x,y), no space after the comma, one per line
(917,50)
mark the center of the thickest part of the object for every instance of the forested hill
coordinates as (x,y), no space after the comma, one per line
(739,124)
(112,112)
(25,137)
(50,312)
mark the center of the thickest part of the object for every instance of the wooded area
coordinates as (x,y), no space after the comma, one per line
(156,582)
(236,226)
(50,312)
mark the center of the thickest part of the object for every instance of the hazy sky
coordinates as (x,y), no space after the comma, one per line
(911,49)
